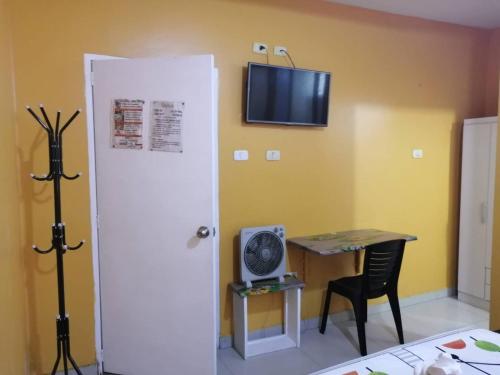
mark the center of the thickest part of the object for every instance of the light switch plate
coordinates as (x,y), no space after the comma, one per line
(240,155)
(418,153)
(273,155)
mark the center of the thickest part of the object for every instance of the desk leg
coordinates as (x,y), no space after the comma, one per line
(240,318)
(357,262)
(304,265)
(292,314)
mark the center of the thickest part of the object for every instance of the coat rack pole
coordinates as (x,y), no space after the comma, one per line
(55,174)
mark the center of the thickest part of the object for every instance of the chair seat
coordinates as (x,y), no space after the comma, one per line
(347,286)
(352,286)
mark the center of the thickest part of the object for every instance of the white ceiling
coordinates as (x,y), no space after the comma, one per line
(477,13)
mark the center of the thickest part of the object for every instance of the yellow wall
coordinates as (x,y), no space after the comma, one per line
(492,74)
(13,356)
(398,83)
(494,77)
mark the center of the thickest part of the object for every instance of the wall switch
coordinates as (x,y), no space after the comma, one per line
(418,153)
(241,155)
(273,155)
(259,47)
(278,50)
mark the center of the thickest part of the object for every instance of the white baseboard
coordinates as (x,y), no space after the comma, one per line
(474,301)
(227,341)
(87,370)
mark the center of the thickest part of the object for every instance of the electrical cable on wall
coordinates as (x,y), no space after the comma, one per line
(288,55)
(262,48)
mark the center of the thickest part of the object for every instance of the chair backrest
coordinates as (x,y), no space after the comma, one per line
(381,267)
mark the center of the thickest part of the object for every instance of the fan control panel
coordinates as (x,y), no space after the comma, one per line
(279,231)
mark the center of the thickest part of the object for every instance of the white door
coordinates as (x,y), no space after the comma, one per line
(157,277)
(476,205)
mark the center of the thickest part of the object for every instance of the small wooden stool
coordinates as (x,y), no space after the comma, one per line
(289,339)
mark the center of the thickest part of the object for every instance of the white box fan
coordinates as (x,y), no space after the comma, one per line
(262,253)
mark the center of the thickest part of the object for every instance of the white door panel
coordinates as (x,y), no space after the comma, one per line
(475,207)
(157,278)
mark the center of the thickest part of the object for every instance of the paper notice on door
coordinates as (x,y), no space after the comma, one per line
(166,126)
(128,123)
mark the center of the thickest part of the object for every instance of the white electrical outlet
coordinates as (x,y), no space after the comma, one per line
(280,51)
(259,47)
(240,155)
(273,155)
(418,153)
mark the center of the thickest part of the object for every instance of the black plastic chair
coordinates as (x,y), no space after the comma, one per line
(380,277)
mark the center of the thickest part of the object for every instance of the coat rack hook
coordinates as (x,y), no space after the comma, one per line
(42,124)
(43,177)
(58,120)
(72,177)
(70,120)
(80,244)
(38,250)
(47,121)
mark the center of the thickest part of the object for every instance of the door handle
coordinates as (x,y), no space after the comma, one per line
(203,232)
(484,213)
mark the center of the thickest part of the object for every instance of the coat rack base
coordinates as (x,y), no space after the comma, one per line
(64,347)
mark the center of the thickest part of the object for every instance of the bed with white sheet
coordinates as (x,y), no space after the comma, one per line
(477,352)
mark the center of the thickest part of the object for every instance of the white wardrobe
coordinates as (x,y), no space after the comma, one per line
(476,210)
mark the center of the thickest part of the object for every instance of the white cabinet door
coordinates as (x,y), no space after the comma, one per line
(476,205)
(158,292)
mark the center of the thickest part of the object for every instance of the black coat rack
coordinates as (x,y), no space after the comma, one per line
(56,171)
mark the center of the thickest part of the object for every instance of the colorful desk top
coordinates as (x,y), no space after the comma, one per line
(267,286)
(478,352)
(341,242)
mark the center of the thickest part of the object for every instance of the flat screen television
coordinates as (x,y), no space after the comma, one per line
(290,96)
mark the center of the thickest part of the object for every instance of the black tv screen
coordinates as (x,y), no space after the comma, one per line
(282,95)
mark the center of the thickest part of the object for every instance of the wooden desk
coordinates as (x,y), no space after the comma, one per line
(345,242)
(348,241)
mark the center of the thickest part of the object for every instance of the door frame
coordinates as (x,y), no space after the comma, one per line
(89,99)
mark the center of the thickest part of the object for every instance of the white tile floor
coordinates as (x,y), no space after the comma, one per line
(340,343)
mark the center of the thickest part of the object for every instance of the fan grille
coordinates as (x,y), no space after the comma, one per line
(263,253)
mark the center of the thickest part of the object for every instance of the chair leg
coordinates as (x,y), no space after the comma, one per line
(326,309)
(394,302)
(358,307)
(365,309)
